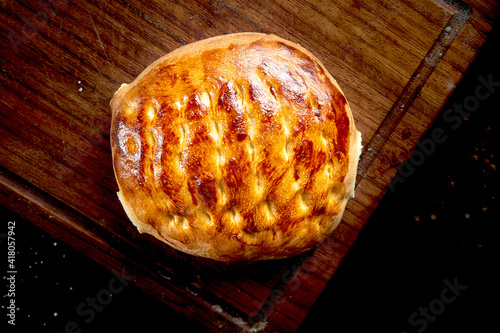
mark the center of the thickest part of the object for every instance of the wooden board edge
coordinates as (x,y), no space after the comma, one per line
(411,91)
(68,225)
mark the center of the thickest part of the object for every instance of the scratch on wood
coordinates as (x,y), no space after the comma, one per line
(111,66)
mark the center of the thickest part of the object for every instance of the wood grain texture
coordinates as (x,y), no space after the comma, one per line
(396,61)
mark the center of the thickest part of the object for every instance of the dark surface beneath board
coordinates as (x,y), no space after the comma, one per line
(425,262)
(426,259)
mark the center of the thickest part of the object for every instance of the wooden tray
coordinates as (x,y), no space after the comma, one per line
(61,60)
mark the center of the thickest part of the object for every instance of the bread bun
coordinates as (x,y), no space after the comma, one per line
(237,147)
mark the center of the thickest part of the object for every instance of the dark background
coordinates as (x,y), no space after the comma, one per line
(438,225)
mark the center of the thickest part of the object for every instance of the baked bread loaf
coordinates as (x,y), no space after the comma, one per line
(237,147)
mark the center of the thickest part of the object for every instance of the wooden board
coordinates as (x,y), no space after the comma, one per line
(61,60)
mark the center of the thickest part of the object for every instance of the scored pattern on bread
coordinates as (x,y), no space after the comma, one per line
(237,147)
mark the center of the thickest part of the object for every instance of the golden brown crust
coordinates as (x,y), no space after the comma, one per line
(237,147)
